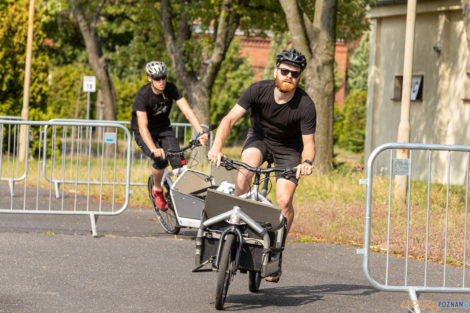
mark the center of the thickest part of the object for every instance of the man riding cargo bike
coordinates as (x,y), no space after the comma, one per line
(283,123)
(151,124)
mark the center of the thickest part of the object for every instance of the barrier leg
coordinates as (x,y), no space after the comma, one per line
(11,185)
(414,300)
(56,188)
(93,220)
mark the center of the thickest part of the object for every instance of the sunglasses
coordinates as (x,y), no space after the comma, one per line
(157,79)
(286,72)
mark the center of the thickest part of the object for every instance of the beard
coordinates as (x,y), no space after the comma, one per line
(285,85)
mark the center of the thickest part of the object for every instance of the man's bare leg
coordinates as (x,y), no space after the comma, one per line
(157,178)
(284,195)
(254,158)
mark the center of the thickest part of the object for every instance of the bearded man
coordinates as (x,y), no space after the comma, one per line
(283,122)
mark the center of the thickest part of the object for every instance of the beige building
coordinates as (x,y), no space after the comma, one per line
(440,99)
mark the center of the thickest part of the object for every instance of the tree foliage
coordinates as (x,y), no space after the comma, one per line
(353,127)
(350,17)
(13,34)
(66,98)
(359,65)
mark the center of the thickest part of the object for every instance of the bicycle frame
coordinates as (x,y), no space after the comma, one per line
(235,218)
(253,193)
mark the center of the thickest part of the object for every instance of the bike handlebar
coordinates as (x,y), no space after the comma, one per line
(229,165)
(193,143)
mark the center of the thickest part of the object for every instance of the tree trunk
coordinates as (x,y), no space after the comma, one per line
(199,89)
(466,20)
(96,59)
(201,97)
(317,42)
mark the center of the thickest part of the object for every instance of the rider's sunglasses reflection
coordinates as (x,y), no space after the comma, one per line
(286,72)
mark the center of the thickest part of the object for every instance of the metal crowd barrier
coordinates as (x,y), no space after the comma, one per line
(425,227)
(140,163)
(74,166)
(90,160)
(12,146)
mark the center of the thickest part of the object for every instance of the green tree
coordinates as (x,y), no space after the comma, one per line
(66,98)
(234,77)
(359,65)
(354,124)
(66,41)
(338,121)
(13,33)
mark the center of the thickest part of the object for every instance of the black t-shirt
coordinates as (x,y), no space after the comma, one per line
(157,106)
(279,123)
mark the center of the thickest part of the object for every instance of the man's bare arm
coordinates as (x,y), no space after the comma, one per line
(142,121)
(223,131)
(308,153)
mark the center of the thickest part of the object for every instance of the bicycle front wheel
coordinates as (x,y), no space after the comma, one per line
(225,273)
(167,218)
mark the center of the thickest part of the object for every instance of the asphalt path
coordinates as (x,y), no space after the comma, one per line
(54,264)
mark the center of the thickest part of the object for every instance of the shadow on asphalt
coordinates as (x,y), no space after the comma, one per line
(292,296)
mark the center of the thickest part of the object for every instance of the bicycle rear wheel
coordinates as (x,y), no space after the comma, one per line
(225,273)
(167,218)
(254,280)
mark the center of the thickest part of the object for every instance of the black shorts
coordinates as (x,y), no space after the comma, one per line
(284,156)
(165,139)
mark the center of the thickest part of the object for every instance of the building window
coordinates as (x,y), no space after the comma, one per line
(417,83)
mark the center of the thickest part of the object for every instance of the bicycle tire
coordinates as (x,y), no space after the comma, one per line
(254,280)
(167,218)
(225,272)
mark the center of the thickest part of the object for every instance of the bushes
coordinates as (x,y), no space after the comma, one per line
(350,124)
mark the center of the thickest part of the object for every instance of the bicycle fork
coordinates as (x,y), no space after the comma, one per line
(256,182)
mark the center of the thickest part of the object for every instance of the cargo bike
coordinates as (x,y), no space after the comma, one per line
(241,233)
(235,233)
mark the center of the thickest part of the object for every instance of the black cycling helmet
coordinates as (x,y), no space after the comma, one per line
(293,57)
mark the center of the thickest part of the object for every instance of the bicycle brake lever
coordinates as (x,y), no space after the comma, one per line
(227,164)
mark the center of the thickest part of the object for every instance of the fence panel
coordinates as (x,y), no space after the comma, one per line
(140,163)
(74,166)
(424,221)
(70,168)
(9,145)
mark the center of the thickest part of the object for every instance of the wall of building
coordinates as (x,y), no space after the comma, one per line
(440,56)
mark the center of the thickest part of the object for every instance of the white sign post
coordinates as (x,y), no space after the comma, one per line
(89,85)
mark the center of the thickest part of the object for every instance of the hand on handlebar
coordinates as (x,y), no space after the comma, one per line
(215,156)
(203,139)
(158,153)
(303,169)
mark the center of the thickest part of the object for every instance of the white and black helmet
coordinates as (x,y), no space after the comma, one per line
(156,69)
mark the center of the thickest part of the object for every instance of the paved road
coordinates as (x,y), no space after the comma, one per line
(53,264)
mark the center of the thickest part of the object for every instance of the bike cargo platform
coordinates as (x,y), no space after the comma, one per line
(188,193)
